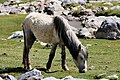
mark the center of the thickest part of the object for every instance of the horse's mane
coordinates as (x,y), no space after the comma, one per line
(66,34)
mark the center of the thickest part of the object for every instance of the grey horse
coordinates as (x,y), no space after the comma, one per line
(55,30)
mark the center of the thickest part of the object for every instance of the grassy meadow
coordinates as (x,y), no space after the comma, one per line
(104,55)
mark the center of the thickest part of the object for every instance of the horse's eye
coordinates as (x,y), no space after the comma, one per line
(81,57)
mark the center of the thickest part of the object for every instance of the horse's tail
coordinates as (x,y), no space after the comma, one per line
(60,26)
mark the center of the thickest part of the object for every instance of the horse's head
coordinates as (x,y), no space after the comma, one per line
(81,59)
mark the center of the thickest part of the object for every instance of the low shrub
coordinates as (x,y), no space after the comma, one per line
(71,5)
(76,13)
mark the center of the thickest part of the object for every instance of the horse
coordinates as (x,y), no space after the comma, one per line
(55,30)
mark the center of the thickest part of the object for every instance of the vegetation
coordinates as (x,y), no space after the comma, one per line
(109,12)
(115,12)
(99,4)
(71,5)
(1,1)
(76,13)
(103,54)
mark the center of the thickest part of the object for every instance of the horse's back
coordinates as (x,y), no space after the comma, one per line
(42,27)
(42,19)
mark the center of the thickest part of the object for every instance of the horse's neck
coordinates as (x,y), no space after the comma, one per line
(71,41)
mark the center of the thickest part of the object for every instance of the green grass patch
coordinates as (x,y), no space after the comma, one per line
(99,4)
(115,12)
(9,24)
(93,5)
(102,53)
(2,1)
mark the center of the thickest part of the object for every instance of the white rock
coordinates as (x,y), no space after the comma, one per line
(16,34)
(1,78)
(29,74)
(113,77)
(50,78)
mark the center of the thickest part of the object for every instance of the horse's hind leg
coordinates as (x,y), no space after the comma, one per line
(63,56)
(29,39)
(51,56)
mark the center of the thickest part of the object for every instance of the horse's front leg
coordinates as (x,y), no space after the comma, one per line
(63,56)
(51,56)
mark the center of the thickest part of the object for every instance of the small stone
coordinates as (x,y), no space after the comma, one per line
(113,77)
(4,54)
(91,68)
(100,76)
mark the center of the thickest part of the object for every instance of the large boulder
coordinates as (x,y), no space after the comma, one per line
(109,29)
(90,25)
(92,21)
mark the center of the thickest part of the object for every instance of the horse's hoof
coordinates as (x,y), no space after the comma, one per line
(48,70)
(28,68)
(65,68)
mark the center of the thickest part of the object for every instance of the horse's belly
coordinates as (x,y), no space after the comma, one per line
(46,34)
(47,37)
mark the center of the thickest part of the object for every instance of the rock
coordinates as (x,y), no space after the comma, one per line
(103,79)
(68,78)
(16,34)
(1,78)
(85,32)
(34,78)
(91,68)
(115,7)
(65,12)
(109,29)
(102,27)
(8,77)
(51,78)
(31,74)
(31,8)
(92,21)
(73,1)
(71,78)
(78,8)
(100,76)
(4,54)
(53,8)
(108,3)
(102,8)
(2,14)
(45,45)
(14,11)
(113,77)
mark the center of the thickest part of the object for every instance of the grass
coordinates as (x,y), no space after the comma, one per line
(115,12)
(102,54)
(70,5)
(109,12)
